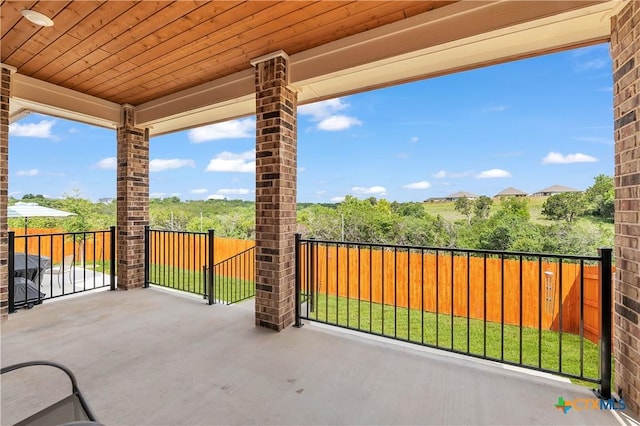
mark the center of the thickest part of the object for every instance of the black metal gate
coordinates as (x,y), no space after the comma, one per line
(180,260)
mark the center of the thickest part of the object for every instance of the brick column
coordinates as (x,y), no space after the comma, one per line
(133,200)
(276,159)
(625,50)
(5,94)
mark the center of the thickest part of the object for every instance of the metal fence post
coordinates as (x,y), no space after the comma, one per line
(112,257)
(298,322)
(147,261)
(311,266)
(604,392)
(11,266)
(210,277)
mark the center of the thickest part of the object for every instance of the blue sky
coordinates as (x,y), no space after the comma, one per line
(527,124)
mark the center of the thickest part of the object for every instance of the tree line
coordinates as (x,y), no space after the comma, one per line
(576,222)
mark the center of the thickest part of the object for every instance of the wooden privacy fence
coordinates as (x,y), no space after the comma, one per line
(183,249)
(55,244)
(178,248)
(531,293)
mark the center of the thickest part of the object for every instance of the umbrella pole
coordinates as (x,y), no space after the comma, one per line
(25,225)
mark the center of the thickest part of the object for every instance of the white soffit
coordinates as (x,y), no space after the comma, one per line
(573,29)
(219,100)
(30,94)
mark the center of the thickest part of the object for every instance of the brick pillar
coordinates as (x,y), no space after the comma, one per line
(276,158)
(133,200)
(625,50)
(5,94)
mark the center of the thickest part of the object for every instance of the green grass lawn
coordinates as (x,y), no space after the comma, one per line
(227,289)
(526,346)
(491,340)
(447,209)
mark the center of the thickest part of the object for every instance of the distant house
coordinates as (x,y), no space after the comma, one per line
(552,190)
(453,197)
(511,192)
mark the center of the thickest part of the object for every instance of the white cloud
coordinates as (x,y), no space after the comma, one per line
(337,199)
(321,192)
(33,130)
(157,195)
(244,162)
(442,174)
(493,173)
(108,163)
(423,184)
(234,129)
(198,191)
(157,165)
(30,172)
(324,113)
(415,139)
(216,197)
(233,191)
(375,190)
(301,169)
(595,139)
(323,109)
(592,64)
(495,108)
(338,122)
(557,158)
(175,194)
(509,154)
(160,164)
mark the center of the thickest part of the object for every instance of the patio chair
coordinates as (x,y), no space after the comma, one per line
(67,266)
(72,409)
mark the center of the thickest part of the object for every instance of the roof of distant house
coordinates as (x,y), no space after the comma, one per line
(558,189)
(461,194)
(510,191)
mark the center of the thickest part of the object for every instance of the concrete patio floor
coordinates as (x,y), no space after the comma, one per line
(151,357)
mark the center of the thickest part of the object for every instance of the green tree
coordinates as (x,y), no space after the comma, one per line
(600,197)
(482,207)
(565,206)
(518,206)
(464,206)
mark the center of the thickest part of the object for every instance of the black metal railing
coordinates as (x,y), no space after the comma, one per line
(234,278)
(47,266)
(180,261)
(546,312)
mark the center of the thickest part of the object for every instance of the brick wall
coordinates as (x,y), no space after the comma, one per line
(5,89)
(276,159)
(132,200)
(625,49)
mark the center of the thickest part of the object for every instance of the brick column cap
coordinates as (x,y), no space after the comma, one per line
(8,67)
(268,56)
(617,7)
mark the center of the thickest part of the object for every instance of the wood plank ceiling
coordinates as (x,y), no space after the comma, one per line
(133,52)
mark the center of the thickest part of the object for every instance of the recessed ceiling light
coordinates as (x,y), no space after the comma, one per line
(37,18)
